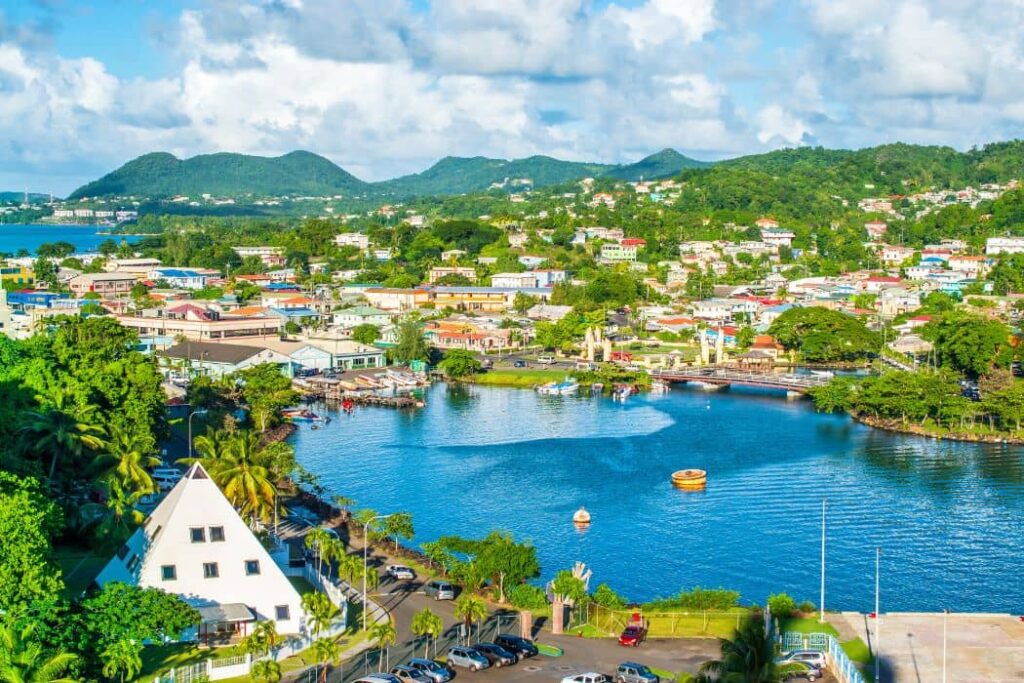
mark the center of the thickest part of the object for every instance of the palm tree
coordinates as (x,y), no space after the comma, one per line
(470,608)
(262,640)
(61,428)
(244,470)
(316,539)
(122,658)
(125,458)
(322,612)
(327,651)
(385,634)
(117,518)
(25,661)
(334,551)
(344,503)
(265,671)
(426,623)
(747,657)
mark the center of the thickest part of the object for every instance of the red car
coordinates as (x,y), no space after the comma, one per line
(633,635)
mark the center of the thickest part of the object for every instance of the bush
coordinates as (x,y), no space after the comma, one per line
(527,596)
(697,599)
(781,605)
(807,607)
(606,597)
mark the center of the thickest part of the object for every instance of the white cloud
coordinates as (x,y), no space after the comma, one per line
(776,125)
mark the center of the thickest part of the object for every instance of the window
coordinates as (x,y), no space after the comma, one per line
(252,567)
(282,613)
(198,534)
(216,534)
(133,563)
(210,570)
(168,572)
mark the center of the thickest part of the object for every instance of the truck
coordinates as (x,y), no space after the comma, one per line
(635,631)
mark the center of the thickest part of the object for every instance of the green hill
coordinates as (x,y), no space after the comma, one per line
(663,164)
(161,174)
(461,175)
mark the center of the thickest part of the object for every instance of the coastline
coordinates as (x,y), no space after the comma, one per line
(897,427)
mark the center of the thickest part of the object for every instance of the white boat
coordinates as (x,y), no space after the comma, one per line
(622,392)
(823,373)
(568,387)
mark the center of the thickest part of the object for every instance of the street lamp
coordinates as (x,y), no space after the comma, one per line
(878,616)
(201,411)
(366,544)
(821,614)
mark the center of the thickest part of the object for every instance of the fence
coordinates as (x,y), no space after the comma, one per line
(844,668)
(712,623)
(383,659)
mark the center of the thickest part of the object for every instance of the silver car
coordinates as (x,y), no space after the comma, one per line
(467,658)
(812,657)
(436,671)
(439,590)
(408,674)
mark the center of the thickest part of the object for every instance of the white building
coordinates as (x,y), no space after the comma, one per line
(1004,245)
(271,256)
(196,546)
(514,280)
(352,239)
(776,237)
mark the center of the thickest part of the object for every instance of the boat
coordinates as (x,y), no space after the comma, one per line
(827,374)
(581,517)
(301,415)
(567,387)
(622,391)
(690,480)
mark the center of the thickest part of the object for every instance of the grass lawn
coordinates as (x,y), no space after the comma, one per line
(302,585)
(808,625)
(79,567)
(518,378)
(157,659)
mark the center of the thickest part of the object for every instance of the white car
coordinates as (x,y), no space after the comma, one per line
(586,678)
(400,571)
(812,657)
(546,360)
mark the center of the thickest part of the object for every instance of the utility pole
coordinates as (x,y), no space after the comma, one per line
(878,617)
(821,606)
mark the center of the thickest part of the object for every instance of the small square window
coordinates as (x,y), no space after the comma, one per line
(210,570)
(252,567)
(168,572)
(216,534)
(198,534)
(282,613)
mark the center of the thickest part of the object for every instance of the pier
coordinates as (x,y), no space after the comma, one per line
(725,377)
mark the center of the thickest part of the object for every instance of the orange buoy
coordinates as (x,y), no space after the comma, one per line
(690,480)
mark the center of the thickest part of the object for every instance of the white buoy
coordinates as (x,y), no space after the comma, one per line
(581,516)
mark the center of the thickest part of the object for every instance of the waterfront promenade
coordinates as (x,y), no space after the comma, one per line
(980,648)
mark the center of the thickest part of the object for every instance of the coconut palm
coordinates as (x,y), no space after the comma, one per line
(385,634)
(244,469)
(126,458)
(426,623)
(22,660)
(747,657)
(334,551)
(322,612)
(122,659)
(115,520)
(265,671)
(470,608)
(263,639)
(327,651)
(61,429)
(316,539)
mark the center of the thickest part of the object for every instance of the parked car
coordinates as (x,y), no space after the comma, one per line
(439,590)
(631,672)
(165,477)
(633,635)
(409,674)
(400,571)
(378,678)
(546,360)
(519,363)
(798,669)
(812,657)
(467,658)
(437,672)
(496,654)
(517,644)
(590,677)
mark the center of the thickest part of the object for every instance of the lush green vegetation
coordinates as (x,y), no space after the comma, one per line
(821,335)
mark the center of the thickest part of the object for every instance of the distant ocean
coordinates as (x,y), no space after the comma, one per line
(30,236)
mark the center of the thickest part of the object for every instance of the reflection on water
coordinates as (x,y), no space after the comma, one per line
(949,516)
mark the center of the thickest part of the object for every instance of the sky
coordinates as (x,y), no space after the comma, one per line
(388,87)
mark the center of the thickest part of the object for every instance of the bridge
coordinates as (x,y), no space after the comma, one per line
(725,377)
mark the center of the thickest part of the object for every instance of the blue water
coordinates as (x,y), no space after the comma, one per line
(949,517)
(84,237)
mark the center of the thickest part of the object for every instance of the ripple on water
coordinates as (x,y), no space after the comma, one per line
(949,517)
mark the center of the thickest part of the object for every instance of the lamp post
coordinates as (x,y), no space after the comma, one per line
(821,606)
(201,411)
(945,617)
(366,544)
(878,616)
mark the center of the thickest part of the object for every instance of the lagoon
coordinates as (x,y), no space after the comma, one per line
(949,517)
(14,237)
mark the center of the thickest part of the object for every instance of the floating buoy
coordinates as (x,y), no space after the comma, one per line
(581,517)
(690,480)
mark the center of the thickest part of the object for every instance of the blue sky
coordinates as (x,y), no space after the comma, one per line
(385,87)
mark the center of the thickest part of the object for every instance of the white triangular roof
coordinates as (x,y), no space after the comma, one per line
(165,539)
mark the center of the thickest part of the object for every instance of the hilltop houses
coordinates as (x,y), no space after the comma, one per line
(196,546)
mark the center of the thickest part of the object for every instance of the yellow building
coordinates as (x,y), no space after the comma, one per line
(17,274)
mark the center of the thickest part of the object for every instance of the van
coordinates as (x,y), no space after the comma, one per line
(165,477)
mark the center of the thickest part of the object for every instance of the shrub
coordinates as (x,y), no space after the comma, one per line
(527,596)
(697,599)
(606,597)
(807,607)
(781,605)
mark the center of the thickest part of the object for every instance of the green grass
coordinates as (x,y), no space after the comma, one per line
(518,378)
(808,625)
(157,659)
(857,650)
(302,585)
(588,631)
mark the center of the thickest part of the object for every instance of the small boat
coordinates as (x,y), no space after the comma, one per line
(690,480)
(567,387)
(301,415)
(596,387)
(622,391)
(828,374)
(581,517)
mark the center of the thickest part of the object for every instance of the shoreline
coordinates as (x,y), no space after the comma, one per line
(897,427)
